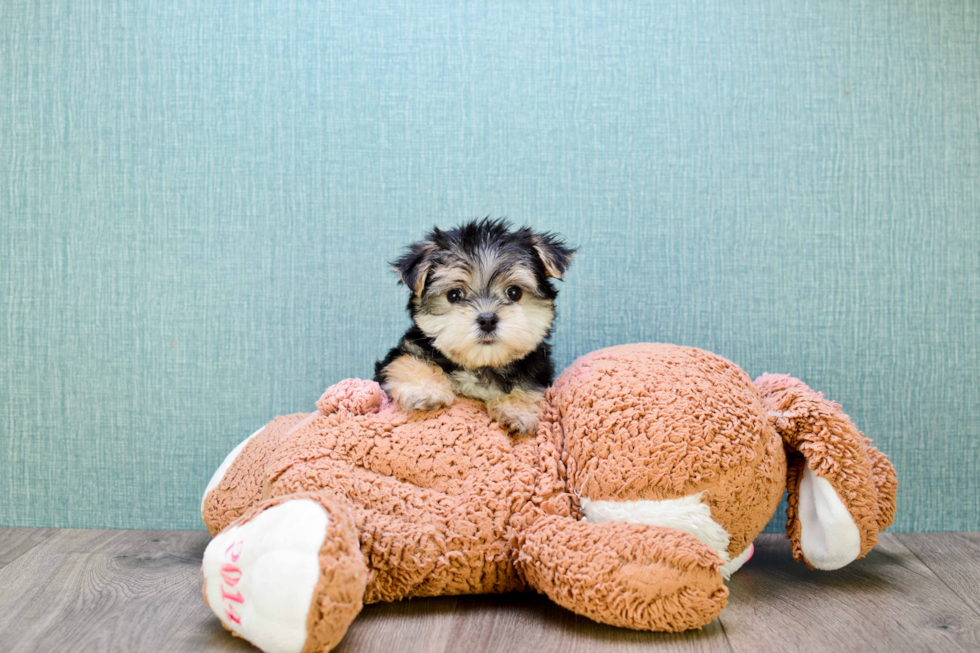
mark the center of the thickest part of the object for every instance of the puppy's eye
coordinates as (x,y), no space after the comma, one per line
(514,293)
(455,295)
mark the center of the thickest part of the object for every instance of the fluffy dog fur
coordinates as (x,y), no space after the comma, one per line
(482,307)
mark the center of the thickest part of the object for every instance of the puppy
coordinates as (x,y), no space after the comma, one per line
(482,306)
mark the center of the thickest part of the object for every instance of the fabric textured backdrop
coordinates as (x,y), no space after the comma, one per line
(198,200)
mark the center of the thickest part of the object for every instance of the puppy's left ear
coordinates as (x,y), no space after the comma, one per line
(413,267)
(553,252)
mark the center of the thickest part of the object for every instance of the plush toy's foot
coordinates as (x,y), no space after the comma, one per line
(736,563)
(288,575)
(631,575)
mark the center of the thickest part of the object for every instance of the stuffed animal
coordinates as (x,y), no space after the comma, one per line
(652,470)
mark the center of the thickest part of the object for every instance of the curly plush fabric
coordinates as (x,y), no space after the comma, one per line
(241,485)
(669,581)
(829,444)
(653,469)
(675,421)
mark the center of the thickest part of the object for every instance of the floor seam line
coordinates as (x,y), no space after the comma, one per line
(32,547)
(724,631)
(940,578)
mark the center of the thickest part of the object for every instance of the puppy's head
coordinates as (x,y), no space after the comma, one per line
(482,291)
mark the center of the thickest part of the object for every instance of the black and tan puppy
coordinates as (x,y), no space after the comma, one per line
(482,304)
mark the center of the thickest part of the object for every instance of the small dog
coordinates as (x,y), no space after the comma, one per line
(482,306)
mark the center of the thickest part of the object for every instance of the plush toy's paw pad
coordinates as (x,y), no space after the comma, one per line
(260,575)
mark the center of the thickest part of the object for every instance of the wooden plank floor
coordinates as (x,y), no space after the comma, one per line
(134,591)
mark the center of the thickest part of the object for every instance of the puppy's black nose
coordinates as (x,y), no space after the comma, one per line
(487,321)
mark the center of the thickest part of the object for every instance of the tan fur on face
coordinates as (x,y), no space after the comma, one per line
(447,277)
(522,326)
(521,329)
(416,385)
(517,411)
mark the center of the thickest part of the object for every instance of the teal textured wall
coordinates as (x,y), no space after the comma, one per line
(197,200)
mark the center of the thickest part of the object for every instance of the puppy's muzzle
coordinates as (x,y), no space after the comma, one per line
(487,322)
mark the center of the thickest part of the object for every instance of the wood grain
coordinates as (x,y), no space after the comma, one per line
(101,590)
(141,591)
(953,557)
(202,631)
(531,623)
(888,601)
(413,625)
(14,542)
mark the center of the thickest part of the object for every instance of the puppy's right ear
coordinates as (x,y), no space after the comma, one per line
(413,267)
(554,254)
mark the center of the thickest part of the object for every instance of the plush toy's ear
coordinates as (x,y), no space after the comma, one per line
(553,252)
(841,490)
(413,267)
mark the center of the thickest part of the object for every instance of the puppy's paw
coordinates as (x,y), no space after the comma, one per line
(517,412)
(414,384)
(421,397)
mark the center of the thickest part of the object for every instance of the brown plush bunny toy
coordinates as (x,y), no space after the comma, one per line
(652,470)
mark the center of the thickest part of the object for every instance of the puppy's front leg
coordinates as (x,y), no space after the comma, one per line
(517,411)
(414,384)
